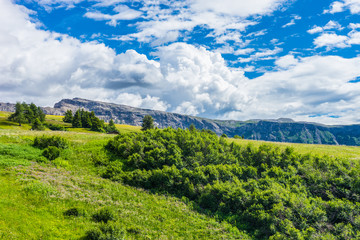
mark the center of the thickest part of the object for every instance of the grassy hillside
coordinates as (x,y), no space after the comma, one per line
(38,197)
(205,187)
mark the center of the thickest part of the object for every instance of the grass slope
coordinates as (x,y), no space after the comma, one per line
(35,193)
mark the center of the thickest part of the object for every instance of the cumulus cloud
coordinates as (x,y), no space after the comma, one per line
(331,25)
(286,61)
(331,40)
(340,6)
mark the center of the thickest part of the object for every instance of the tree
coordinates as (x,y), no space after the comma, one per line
(76,122)
(97,125)
(19,115)
(37,125)
(192,128)
(148,123)
(111,128)
(85,119)
(68,118)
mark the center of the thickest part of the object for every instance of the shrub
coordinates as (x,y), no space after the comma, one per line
(54,141)
(51,153)
(105,232)
(56,127)
(72,212)
(37,125)
(103,215)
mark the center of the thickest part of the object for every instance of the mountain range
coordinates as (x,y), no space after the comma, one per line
(279,130)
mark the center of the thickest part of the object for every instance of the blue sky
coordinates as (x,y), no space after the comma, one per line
(229,59)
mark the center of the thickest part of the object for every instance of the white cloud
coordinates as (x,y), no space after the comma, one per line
(262,54)
(331,40)
(354,25)
(315,29)
(244,51)
(136,100)
(292,22)
(286,61)
(237,8)
(124,13)
(331,25)
(226,20)
(340,6)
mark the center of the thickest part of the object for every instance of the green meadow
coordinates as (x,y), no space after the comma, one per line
(36,193)
(67,198)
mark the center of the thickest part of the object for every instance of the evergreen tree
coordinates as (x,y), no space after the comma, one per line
(148,123)
(68,118)
(192,128)
(97,125)
(76,123)
(37,125)
(85,119)
(41,115)
(19,115)
(111,128)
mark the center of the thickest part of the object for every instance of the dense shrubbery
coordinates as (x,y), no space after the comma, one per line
(55,141)
(267,192)
(55,127)
(51,152)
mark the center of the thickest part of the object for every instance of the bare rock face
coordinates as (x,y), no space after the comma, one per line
(7,107)
(132,116)
(279,130)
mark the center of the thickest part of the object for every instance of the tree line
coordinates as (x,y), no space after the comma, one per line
(30,114)
(85,119)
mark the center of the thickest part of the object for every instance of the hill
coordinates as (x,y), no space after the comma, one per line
(197,186)
(66,198)
(278,130)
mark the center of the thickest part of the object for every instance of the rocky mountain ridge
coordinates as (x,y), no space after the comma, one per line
(281,130)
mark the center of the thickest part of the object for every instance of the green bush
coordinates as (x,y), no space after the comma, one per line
(72,212)
(267,192)
(105,232)
(51,153)
(103,215)
(56,127)
(54,141)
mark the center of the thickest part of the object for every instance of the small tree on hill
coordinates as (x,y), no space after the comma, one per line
(111,128)
(76,122)
(85,119)
(148,123)
(68,118)
(19,115)
(37,125)
(97,125)
(192,128)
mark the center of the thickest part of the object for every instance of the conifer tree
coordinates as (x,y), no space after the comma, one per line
(76,123)
(148,123)
(111,128)
(37,125)
(68,118)
(19,115)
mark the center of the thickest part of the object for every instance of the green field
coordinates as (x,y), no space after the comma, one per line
(36,193)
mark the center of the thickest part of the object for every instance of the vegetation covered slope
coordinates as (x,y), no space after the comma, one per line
(223,190)
(66,199)
(268,192)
